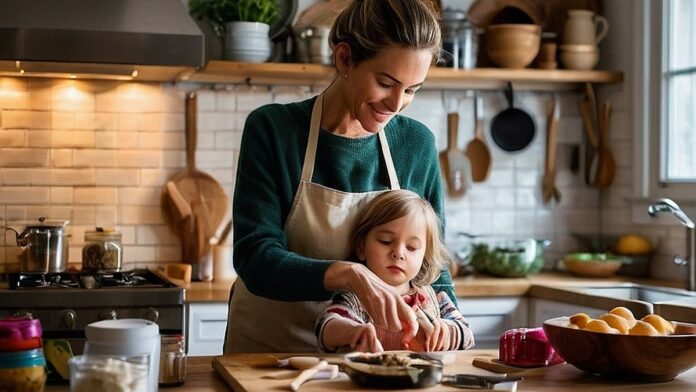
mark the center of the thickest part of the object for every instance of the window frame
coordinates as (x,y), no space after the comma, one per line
(650,85)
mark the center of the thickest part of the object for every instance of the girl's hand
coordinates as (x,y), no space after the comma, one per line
(380,300)
(438,338)
(364,339)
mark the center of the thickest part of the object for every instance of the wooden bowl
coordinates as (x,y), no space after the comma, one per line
(597,265)
(578,59)
(644,358)
(513,45)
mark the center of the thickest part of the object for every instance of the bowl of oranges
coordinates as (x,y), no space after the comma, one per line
(616,344)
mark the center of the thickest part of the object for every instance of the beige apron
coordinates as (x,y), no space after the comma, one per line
(318,226)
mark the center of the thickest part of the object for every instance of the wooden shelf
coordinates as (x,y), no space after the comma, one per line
(228,72)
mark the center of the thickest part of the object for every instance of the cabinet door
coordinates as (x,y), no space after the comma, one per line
(541,310)
(489,317)
(206,328)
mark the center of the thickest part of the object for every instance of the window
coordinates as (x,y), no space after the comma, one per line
(665,100)
(678,152)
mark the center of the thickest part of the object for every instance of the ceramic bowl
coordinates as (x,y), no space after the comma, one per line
(637,358)
(579,59)
(597,265)
(513,45)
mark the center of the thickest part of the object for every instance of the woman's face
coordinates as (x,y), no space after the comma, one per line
(379,88)
(394,251)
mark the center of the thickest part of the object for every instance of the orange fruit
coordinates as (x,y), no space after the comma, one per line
(625,313)
(600,326)
(633,245)
(580,319)
(616,321)
(644,329)
(662,326)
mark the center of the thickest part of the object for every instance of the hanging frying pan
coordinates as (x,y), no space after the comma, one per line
(512,129)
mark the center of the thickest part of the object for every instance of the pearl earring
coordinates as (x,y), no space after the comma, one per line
(345,76)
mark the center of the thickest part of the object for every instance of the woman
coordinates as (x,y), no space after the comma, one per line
(306,169)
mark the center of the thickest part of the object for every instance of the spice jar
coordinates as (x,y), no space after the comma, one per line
(102,251)
(22,371)
(172,370)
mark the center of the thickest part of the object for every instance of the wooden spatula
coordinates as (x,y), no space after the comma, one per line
(548,183)
(454,164)
(477,151)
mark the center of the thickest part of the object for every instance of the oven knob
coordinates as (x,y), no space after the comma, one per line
(23,314)
(108,315)
(151,314)
(67,319)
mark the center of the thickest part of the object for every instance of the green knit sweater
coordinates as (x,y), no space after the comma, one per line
(268,174)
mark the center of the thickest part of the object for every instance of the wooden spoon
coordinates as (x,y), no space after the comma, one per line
(606,170)
(591,150)
(548,183)
(477,151)
(453,162)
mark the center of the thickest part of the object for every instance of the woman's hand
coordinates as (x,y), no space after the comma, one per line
(363,338)
(433,335)
(380,300)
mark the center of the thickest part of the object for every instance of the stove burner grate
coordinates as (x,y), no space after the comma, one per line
(79,280)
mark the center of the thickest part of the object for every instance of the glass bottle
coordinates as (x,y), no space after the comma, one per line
(102,251)
(172,370)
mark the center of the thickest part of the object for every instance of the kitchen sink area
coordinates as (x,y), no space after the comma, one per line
(639,292)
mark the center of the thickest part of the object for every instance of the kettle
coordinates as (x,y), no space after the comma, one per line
(44,246)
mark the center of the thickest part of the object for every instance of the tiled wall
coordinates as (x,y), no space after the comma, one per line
(98,153)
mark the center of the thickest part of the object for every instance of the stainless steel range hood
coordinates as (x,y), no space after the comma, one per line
(113,39)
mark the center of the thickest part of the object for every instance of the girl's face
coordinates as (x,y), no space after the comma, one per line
(394,251)
(379,88)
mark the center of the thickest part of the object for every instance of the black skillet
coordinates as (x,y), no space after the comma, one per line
(512,129)
(423,371)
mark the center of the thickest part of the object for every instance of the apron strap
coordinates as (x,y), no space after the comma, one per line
(310,152)
(386,153)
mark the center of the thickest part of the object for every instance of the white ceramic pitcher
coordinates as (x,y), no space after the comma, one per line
(583,27)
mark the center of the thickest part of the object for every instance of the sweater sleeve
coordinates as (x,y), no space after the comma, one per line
(262,199)
(463,338)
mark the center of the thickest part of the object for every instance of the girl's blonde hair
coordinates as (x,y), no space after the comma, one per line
(392,205)
(368,26)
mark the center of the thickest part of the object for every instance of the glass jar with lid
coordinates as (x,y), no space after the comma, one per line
(102,251)
(172,371)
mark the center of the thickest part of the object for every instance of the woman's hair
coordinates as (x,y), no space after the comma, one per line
(368,26)
(392,205)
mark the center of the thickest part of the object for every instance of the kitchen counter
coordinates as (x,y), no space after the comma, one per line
(202,377)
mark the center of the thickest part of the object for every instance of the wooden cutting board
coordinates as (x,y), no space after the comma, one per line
(494,365)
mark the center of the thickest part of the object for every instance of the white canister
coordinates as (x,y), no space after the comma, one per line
(126,337)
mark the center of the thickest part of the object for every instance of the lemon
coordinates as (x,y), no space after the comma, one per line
(625,313)
(580,319)
(633,245)
(662,326)
(615,321)
(644,329)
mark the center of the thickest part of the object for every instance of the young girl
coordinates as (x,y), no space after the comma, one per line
(398,238)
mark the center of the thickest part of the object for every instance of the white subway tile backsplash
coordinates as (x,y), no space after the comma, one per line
(61,139)
(61,195)
(95,121)
(225,101)
(106,216)
(12,138)
(24,195)
(127,234)
(155,235)
(140,215)
(117,177)
(171,254)
(95,195)
(62,177)
(38,211)
(84,215)
(138,159)
(61,158)
(20,157)
(94,158)
(139,196)
(156,177)
(26,119)
(229,140)
(60,213)
(251,97)
(162,140)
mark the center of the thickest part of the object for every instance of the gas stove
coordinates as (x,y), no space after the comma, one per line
(66,302)
(86,280)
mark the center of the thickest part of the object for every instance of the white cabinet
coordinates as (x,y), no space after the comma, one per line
(206,328)
(541,310)
(489,317)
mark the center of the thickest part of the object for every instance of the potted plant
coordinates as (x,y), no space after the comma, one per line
(242,25)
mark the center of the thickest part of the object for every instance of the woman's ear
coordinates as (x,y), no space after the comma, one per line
(342,58)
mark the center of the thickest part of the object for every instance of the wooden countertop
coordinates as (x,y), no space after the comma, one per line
(465,286)
(202,377)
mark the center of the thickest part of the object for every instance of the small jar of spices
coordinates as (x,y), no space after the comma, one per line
(102,250)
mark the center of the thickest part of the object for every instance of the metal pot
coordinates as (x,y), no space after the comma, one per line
(313,46)
(44,245)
